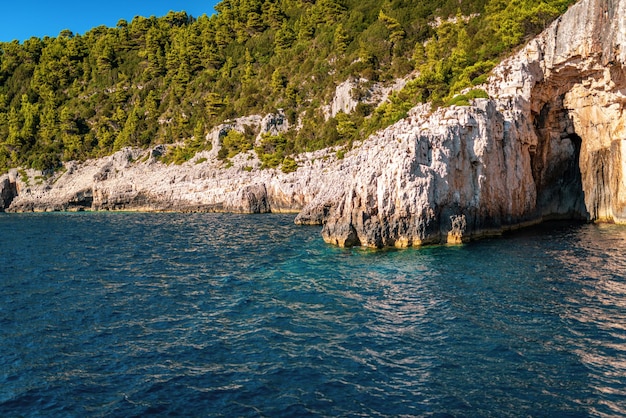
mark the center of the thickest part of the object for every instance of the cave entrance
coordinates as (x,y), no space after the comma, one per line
(571,193)
(556,165)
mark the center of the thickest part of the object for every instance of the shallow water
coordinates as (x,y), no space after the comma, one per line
(113,314)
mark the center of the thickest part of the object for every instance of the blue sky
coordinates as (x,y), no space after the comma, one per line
(22,19)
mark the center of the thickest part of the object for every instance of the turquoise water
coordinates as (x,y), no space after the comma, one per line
(112,314)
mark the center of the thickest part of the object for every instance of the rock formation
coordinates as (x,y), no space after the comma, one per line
(8,191)
(135,180)
(447,176)
(352,92)
(550,142)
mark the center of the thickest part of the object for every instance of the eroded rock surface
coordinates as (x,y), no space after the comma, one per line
(444,177)
(573,77)
(135,180)
(550,143)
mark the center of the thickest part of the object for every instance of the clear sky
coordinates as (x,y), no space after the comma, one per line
(22,19)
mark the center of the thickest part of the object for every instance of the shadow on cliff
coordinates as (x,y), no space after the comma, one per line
(556,165)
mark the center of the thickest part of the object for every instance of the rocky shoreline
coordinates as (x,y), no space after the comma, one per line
(549,143)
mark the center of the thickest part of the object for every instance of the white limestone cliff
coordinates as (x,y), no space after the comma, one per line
(135,180)
(550,143)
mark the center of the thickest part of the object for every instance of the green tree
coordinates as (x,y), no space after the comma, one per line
(278,81)
(152,105)
(233,143)
(273,15)
(70,138)
(254,23)
(346,128)
(284,38)
(129,135)
(248,69)
(30,117)
(341,40)
(106,54)
(198,131)
(396,33)
(214,104)
(14,140)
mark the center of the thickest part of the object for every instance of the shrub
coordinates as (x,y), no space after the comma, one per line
(271,152)
(464,99)
(234,143)
(289,165)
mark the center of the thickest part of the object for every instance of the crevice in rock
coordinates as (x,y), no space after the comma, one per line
(83,200)
(556,164)
(8,192)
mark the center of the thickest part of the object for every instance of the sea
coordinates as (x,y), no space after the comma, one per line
(222,315)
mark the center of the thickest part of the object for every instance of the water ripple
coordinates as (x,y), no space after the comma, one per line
(227,315)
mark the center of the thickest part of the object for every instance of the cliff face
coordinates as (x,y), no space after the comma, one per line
(460,172)
(575,88)
(134,180)
(549,143)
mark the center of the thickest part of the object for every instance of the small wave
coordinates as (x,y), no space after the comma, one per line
(172,314)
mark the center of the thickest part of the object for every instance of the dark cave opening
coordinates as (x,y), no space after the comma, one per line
(556,165)
(572,182)
(573,172)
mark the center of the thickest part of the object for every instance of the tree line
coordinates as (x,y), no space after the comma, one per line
(170,79)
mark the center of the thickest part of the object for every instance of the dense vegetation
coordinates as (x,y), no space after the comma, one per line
(171,79)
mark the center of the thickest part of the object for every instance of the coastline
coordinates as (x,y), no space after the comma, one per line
(547,143)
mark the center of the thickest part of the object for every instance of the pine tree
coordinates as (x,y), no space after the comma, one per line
(341,39)
(278,81)
(396,33)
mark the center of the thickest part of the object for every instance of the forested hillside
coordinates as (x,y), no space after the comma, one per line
(171,79)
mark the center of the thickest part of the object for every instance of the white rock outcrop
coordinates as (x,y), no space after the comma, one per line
(550,143)
(134,180)
(352,92)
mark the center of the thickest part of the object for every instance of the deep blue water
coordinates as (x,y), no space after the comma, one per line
(112,314)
